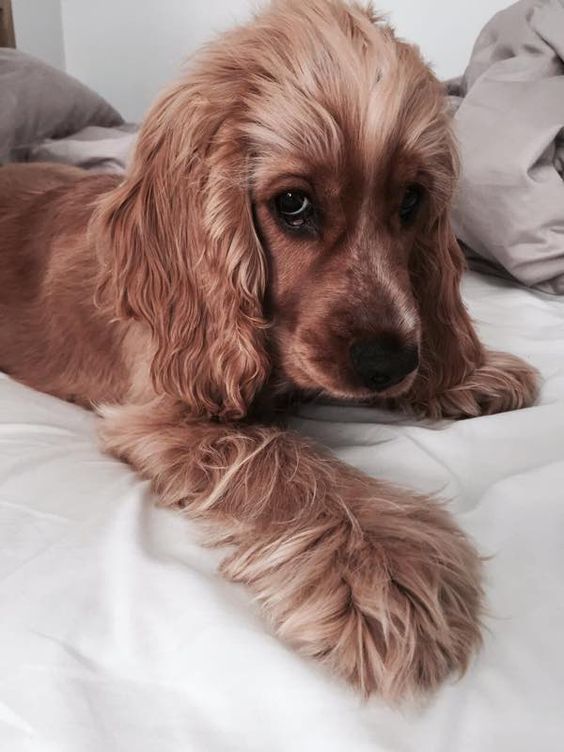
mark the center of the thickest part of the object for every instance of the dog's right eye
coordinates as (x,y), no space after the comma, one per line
(410,204)
(294,208)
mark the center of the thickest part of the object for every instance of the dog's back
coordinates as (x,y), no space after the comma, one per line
(50,332)
(26,193)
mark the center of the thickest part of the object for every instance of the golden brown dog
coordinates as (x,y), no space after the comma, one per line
(284,227)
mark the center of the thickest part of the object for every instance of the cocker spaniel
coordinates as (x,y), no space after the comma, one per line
(283,228)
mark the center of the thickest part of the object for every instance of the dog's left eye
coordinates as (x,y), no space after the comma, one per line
(410,204)
(294,207)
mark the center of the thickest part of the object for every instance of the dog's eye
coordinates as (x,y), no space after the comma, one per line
(294,207)
(410,204)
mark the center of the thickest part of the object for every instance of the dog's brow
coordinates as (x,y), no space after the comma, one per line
(292,176)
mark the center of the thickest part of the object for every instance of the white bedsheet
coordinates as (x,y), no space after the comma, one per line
(117,635)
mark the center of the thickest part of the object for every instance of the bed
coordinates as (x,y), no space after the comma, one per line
(116,633)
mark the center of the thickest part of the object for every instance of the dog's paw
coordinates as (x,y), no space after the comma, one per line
(390,600)
(413,616)
(504,382)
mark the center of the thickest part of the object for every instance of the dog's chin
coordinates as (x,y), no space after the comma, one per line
(315,384)
(356,394)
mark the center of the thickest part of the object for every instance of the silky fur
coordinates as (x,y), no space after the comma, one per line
(175,301)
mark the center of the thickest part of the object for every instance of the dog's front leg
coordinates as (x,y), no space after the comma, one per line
(376,582)
(497,383)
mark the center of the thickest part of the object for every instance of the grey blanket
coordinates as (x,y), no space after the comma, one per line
(38,102)
(510,125)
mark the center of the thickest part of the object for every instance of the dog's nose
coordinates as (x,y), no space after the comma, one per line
(382,362)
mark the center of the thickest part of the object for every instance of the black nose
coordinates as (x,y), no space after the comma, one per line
(382,362)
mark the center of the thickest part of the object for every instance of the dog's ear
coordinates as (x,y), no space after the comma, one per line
(180,254)
(450,349)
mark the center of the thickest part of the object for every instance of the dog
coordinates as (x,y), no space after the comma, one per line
(283,230)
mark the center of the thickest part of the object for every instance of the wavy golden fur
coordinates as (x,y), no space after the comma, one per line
(186,302)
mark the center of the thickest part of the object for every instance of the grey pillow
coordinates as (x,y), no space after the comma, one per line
(39,102)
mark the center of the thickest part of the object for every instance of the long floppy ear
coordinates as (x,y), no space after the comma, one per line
(450,348)
(179,253)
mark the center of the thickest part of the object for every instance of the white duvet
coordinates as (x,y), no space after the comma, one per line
(116,634)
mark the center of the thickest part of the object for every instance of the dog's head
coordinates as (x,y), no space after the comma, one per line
(286,211)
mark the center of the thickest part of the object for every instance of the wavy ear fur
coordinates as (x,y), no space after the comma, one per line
(180,254)
(450,348)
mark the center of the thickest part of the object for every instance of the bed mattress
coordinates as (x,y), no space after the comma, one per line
(116,633)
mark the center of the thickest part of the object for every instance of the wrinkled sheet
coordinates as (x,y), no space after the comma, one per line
(92,148)
(510,126)
(117,634)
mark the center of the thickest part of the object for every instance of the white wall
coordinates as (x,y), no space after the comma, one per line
(39,29)
(127,49)
(445,30)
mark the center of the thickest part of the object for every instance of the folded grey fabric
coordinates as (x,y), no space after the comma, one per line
(39,102)
(92,148)
(510,125)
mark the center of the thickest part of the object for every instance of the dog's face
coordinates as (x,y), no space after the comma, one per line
(348,147)
(287,212)
(338,236)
